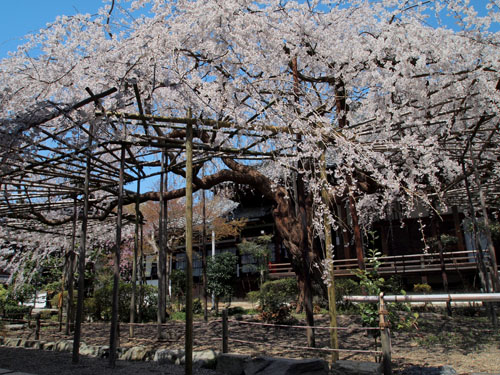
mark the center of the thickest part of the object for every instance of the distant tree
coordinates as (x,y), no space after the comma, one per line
(221,272)
(261,252)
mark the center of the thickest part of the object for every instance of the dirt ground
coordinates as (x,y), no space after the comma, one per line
(467,343)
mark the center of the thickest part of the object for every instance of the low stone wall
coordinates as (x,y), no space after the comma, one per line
(230,364)
(204,359)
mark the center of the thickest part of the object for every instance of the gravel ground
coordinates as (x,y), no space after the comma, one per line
(469,344)
(41,362)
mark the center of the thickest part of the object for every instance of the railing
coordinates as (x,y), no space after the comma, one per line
(398,264)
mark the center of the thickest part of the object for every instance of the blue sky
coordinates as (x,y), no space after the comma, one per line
(21,17)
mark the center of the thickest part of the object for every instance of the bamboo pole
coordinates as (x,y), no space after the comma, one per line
(189,250)
(204,257)
(71,270)
(402,298)
(385,337)
(483,273)
(332,308)
(133,303)
(491,247)
(113,336)
(82,253)
(161,316)
(225,331)
(358,242)
(458,229)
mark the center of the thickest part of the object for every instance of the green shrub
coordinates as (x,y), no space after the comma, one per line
(4,296)
(54,301)
(346,287)
(197,306)
(100,306)
(275,297)
(422,288)
(237,310)
(373,284)
(45,314)
(16,311)
(253,296)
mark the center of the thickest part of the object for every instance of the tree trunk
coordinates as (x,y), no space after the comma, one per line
(305,296)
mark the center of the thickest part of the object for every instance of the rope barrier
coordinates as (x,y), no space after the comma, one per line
(303,327)
(309,348)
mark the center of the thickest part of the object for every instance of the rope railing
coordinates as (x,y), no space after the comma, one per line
(303,327)
(383,328)
(329,350)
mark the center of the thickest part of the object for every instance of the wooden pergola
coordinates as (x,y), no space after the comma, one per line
(64,161)
(73,165)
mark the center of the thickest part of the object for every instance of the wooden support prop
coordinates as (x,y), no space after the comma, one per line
(204,256)
(133,298)
(385,337)
(225,332)
(332,309)
(114,331)
(37,329)
(81,257)
(189,249)
(71,271)
(162,273)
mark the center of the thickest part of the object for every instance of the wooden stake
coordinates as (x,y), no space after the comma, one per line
(385,337)
(204,257)
(332,308)
(83,248)
(133,303)
(113,336)
(225,331)
(161,314)
(71,270)
(189,250)
(491,248)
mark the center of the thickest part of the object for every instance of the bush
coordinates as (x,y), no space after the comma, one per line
(197,306)
(422,288)
(16,311)
(275,297)
(221,273)
(236,310)
(100,306)
(54,301)
(346,287)
(399,314)
(253,296)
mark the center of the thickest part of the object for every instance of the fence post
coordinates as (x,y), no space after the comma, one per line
(131,332)
(225,332)
(37,328)
(385,337)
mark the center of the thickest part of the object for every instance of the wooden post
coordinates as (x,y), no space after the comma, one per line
(37,329)
(113,336)
(491,248)
(225,332)
(458,229)
(332,308)
(385,337)
(483,273)
(161,315)
(71,271)
(346,242)
(133,303)
(81,255)
(204,257)
(436,233)
(358,242)
(189,249)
